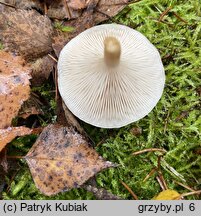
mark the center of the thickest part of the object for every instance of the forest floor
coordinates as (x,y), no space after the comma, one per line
(174,125)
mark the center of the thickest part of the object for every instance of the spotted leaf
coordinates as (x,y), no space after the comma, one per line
(61,159)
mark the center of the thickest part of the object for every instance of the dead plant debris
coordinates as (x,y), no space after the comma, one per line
(61,159)
(26,33)
(14,86)
(8,134)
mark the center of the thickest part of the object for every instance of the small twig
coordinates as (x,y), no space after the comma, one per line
(101,142)
(160,175)
(163,181)
(169,24)
(15,157)
(9,185)
(9,5)
(150,174)
(129,190)
(45,8)
(160,183)
(159,164)
(178,17)
(185,186)
(166,166)
(188,194)
(67,9)
(149,150)
(133,2)
(164,13)
(52,57)
(37,131)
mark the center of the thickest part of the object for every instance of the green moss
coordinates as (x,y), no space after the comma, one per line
(174,124)
(61,27)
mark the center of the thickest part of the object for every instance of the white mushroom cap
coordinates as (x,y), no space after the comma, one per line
(110,95)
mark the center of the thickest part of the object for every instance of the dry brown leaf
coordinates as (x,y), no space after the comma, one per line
(61,11)
(96,12)
(8,134)
(41,69)
(77,4)
(26,33)
(14,87)
(30,107)
(108,8)
(61,159)
(4,7)
(29,4)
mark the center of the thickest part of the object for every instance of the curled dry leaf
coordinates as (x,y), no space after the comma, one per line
(61,159)
(14,87)
(26,33)
(31,107)
(8,134)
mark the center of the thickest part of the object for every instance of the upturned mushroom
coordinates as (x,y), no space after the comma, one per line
(110,76)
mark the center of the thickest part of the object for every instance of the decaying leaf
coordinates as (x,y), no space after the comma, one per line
(8,134)
(77,4)
(30,107)
(14,86)
(61,159)
(28,4)
(41,69)
(167,195)
(108,8)
(101,193)
(95,12)
(26,33)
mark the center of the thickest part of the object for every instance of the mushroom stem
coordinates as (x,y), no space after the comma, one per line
(112,51)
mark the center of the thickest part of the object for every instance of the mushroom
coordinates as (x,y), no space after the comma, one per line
(110,76)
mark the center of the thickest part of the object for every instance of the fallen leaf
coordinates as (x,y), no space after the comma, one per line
(108,8)
(29,4)
(26,33)
(30,107)
(95,12)
(77,4)
(56,10)
(167,195)
(8,134)
(59,40)
(14,86)
(41,69)
(71,9)
(5,7)
(61,159)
